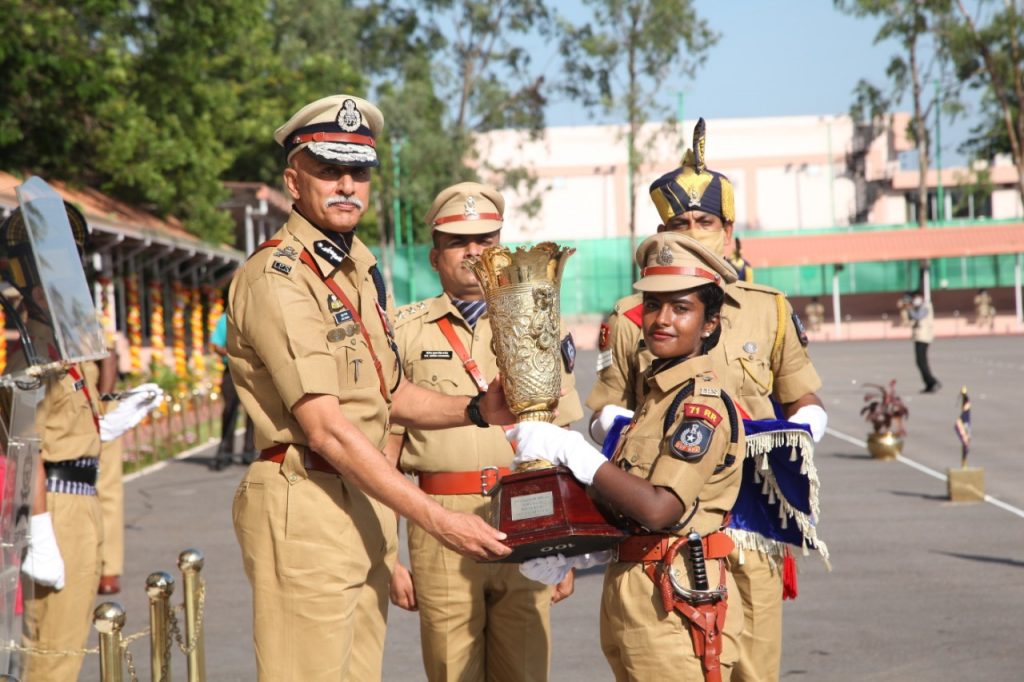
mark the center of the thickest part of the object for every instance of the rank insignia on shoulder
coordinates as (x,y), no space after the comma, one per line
(436,355)
(801,333)
(568,353)
(286,251)
(691,440)
(708,390)
(283,268)
(327,250)
(602,337)
(703,412)
(604,360)
(333,303)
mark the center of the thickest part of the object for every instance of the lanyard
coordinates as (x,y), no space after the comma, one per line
(76,376)
(467,361)
(339,292)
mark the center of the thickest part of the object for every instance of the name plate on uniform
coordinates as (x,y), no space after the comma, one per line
(532,506)
(546,512)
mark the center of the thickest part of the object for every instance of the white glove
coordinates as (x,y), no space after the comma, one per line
(136,405)
(42,559)
(605,418)
(813,416)
(552,570)
(549,570)
(540,440)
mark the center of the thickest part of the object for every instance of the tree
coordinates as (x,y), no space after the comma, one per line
(912,23)
(986,49)
(620,60)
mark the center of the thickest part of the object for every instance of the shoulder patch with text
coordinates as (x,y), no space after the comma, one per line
(568,353)
(691,440)
(801,333)
(703,412)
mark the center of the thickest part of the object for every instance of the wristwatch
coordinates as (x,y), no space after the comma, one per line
(473,411)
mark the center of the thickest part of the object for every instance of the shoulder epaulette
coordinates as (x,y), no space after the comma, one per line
(410,312)
(750,286)
(627,302)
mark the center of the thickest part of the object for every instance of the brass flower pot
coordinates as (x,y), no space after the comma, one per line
(885,445)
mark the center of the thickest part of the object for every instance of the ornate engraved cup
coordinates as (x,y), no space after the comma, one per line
(542,508)
(521,289)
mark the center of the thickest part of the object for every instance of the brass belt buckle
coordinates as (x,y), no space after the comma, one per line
(488,479)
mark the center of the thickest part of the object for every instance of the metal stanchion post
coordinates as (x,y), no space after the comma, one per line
(191,563)
(159,587)
(108,619)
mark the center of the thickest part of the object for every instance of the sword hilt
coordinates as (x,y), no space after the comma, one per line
(700,569)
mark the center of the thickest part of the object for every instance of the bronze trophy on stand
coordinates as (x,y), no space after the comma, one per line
(542,508)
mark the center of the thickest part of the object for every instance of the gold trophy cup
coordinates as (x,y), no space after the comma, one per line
(542,508)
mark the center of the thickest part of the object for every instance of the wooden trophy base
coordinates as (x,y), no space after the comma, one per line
(966,484)
(546,512)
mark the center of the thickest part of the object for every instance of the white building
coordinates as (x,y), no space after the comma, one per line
(790,173)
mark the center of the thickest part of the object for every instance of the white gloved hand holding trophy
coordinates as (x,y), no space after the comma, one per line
(600,426)
(540,440)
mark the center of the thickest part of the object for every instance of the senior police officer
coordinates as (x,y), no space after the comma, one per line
(63,558)
(761,358)
(477,621)
(313,358)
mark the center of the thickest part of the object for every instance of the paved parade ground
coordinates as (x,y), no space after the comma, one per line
(921,588)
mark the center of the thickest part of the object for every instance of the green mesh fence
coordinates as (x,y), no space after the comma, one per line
(599,273)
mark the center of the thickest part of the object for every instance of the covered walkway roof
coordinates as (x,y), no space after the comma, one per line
(884,245)
(129,238)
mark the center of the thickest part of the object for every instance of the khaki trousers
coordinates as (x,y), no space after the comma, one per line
(318,553)
(59,620)
(643,643)
(478,621)
(760,588)
(110,490)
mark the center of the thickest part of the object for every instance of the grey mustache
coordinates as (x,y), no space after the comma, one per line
(354,200)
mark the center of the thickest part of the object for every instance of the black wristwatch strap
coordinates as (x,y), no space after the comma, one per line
(473,411)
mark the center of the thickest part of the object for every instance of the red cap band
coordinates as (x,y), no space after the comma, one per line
(456,218)
(334,137)
(680,270)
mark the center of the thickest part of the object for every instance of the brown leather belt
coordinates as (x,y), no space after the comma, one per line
(310,459)
(461,482)
(718,545)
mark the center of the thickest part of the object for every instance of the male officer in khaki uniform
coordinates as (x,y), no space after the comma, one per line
(477,621)
(62,564)
(312,356)
(762,356)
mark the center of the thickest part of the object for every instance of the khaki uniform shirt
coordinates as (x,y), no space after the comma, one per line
(752,369)
(430,361)
(684,458)
(65,416)
(289,336)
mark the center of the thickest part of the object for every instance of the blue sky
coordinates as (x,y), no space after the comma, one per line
(774,58)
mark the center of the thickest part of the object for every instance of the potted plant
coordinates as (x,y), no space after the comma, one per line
(886,412)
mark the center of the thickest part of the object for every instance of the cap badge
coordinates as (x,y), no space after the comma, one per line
(664,255)
(349,117)
(694,197)
(469,211)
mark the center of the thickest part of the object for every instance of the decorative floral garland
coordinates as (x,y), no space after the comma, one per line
(133,321)
(198,330)
(178,330)
(215,304)
(106,309)
(157,331)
